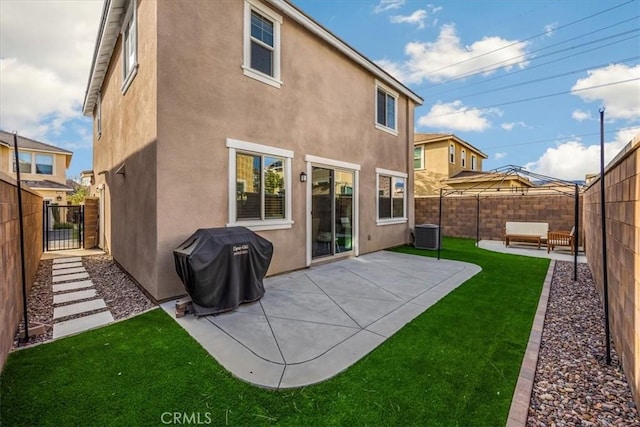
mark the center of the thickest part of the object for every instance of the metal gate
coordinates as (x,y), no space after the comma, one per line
(63,226)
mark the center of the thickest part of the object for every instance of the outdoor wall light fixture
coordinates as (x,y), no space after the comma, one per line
(303,177)
(59,198)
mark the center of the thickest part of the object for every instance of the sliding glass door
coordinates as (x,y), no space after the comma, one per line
(331,211)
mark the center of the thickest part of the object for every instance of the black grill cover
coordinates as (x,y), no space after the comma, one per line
(222,268)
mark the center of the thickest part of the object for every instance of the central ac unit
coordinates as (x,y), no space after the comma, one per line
(427,236)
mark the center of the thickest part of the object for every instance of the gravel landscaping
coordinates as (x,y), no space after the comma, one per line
(573,384)
(122,296)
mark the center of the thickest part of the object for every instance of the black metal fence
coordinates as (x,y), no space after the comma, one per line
(63,226)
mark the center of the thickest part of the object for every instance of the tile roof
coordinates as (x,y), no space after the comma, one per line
(6,138)
(46,185)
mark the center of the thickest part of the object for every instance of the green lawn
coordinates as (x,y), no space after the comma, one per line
(456,364)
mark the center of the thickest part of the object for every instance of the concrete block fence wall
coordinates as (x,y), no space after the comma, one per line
(10,257)
(622,196)
(459,213)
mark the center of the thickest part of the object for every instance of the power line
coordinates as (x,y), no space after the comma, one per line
(565,138)
(531,37)
(518,101)
(617,61)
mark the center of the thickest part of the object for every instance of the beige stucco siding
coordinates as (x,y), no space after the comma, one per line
(129,129)
(324,108)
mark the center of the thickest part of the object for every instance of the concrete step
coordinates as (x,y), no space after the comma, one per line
(67,265)
(74,296)
(73,285)
(67,260)
(80,324)
(74,270)
(81,307)
(69,277)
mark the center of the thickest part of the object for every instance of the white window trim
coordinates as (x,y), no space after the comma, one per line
(274,80)
(131,15)
(235,145)
(463,158)
(421,148)
(99,115)
(474,162)
(392,174)
(395,96)
(33,155)
(452,156)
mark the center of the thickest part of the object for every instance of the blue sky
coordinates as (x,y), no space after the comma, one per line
(477,64)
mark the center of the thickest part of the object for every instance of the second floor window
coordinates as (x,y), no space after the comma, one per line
(473,162)
(463,158)
(129,46)
(418,158)
(262,43)
(452,153)
(386,114)
(36,163)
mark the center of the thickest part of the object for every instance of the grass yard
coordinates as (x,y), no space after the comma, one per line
(456,364)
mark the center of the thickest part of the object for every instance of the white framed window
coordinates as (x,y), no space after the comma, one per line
(259,186)
(386,109)
(99,115)
(129,45)
(262,43)
(391,202)
(418,157)
(463,158)
(452,154)
(474,163)
(35,163)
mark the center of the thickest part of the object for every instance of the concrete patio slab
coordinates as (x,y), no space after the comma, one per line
(74,296)
(70,277)
(533,251)
(62,266)
(296,336)
(81,307)
(66,260)
(63,287)
(73,326)
(74,270)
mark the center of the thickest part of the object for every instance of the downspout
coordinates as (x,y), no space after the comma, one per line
(24,339)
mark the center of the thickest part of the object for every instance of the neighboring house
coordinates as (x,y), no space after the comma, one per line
(487,182)
(43,167)
(243,113)
(438,157)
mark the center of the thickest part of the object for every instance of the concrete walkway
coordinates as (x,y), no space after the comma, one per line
(76,307)
(531,250)
(312,324)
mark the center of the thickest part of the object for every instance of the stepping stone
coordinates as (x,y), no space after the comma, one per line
(66,260)
(73,285)
(80,324)
(81,307)
(67,277)
(68,271)
(74,296)
(67,265)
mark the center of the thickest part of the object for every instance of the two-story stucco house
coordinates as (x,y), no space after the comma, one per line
(43,167)
(243,113)
(437,157)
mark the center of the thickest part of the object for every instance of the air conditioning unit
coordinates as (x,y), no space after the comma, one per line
(427,236)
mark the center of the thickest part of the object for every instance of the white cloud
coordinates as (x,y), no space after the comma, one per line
(572,160)
(499,156)
(385,5)
(46,55)
(550,28)
(510,126)
(416,17)
(621,101)
(456,116)
(580,115)
(447,57)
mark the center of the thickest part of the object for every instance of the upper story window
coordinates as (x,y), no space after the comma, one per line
(129,45)
(262,43)
(418,157)
(99,115)
(259,186)
(452,154)
(386,109)
(392,197)
(463,158)
(35,163)
(474,164)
